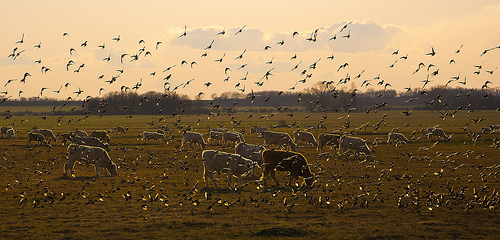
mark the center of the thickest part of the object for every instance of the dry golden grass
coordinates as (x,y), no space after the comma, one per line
(442,193)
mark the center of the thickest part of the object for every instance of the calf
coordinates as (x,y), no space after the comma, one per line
(229,163)
(292,162)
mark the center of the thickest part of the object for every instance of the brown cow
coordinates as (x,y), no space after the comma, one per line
(292,162)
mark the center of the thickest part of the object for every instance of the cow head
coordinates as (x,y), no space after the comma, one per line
(112,169)
(106,147)
(366,150)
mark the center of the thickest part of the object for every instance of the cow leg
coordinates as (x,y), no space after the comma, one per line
(229,177)
(68,166)
(97,167)
(273,176)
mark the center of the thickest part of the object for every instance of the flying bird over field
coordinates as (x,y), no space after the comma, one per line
(241,29)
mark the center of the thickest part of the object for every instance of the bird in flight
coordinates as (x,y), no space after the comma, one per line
(241,29)
(432,53)
(22,40)
(185,32)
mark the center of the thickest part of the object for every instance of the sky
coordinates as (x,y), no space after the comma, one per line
(370,38)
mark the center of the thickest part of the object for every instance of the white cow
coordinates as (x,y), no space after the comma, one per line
(193,138)
(250,151)
(396,138)
(438,133)
(96,155)
(48,134)
(306,137)
(232,138)
(215,138)
(278,138)
(222,162)
(152,135)
(353,143)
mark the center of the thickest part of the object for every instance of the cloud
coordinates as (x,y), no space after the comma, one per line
(357,37)
(21,60)
(493,8)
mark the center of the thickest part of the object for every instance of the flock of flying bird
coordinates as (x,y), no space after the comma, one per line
(343,32)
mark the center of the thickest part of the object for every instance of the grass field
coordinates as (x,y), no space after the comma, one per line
(444,190)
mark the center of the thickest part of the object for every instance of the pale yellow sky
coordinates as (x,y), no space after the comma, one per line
(378,29)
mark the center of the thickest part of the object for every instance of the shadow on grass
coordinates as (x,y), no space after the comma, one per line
(282,232)
(82,178)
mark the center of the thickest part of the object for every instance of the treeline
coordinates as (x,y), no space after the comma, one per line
(320,98)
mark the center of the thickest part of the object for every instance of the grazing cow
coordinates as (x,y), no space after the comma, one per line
(66,137)
(258,130)
(215,138)
(193,138)
(102,135)
(3,130)
(90,141)
(121,130)
(11,134)
(292,162)
(325,139)
(81,133)
(279,139)
(152,135)
(250,151)
(48,134)
(96,155)
(353,143)
(307,137)
(230,137)
(396,138)
(229,163)
(438,133)
(36,137)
